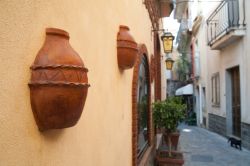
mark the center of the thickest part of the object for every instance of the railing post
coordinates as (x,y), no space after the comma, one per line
(238,13)
(228,15)
(244,13)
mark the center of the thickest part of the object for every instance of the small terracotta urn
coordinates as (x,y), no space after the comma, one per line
(59,83)
(126,48)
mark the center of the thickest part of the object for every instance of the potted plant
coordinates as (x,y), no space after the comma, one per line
(167,114)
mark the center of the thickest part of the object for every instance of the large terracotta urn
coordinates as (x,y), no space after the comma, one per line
(126,48)
(59,83)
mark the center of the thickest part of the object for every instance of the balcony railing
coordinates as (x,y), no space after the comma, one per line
(227,17)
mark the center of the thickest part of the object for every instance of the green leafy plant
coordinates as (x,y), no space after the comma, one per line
(167,114)
(182,67)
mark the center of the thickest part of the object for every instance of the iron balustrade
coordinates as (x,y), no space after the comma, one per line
(228,16)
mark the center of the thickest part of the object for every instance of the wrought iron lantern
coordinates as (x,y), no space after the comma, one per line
(167,39)
(169,63)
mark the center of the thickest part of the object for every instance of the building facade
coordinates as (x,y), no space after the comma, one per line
(111,130)
(221,88)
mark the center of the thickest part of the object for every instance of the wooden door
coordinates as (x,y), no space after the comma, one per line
(236,101)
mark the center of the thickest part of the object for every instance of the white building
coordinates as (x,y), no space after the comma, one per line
(220,48)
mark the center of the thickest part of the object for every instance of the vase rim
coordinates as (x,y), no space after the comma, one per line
(124,26)
(56,31)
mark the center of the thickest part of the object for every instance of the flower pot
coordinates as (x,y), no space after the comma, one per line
(126,48)
(59,83)
(174,137)
(163,158)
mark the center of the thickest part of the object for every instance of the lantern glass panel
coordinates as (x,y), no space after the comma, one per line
(168,44)
(169,64)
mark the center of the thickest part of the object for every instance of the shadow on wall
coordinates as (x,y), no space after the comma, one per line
(52,135)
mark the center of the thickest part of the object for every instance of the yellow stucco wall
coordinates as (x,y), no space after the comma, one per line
(102,136)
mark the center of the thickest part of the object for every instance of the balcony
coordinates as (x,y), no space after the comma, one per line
(226,24)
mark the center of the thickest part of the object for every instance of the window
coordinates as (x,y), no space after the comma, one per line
(142,128)
(142,107)
(216,89)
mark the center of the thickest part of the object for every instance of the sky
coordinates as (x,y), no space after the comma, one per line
(171,25)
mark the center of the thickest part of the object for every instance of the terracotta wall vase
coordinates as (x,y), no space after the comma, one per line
(59,83)
(166,7)
(126,48)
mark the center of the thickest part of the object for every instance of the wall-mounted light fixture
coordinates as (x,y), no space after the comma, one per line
(169,63)
(167,39)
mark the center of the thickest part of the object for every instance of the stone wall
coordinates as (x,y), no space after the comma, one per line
(93,27)
(217,124)
(245,135)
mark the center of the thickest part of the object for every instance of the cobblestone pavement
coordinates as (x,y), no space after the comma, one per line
(204,148)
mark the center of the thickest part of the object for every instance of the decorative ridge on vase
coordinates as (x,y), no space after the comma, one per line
(35,67)
(58,83)
(127,44)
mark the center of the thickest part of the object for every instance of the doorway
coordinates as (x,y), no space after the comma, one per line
(236,107)
(233,101)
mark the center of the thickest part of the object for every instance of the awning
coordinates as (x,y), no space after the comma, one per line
(185,90)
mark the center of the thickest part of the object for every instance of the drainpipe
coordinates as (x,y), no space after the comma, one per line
(192,59)
(200,104)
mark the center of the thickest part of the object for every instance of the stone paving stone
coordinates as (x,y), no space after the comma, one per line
(204,148)
(202,158)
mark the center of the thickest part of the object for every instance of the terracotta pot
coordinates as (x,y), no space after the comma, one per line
(59,83)
(126,48)
(174,137)
(166,8)
(163,159)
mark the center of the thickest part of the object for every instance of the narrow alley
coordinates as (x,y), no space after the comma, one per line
(204,148)
(106,83)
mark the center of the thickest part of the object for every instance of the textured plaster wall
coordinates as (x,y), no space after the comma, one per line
(209,60)
(230,57)
(233,55)
(245,93)
(102,136)
(210,64)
